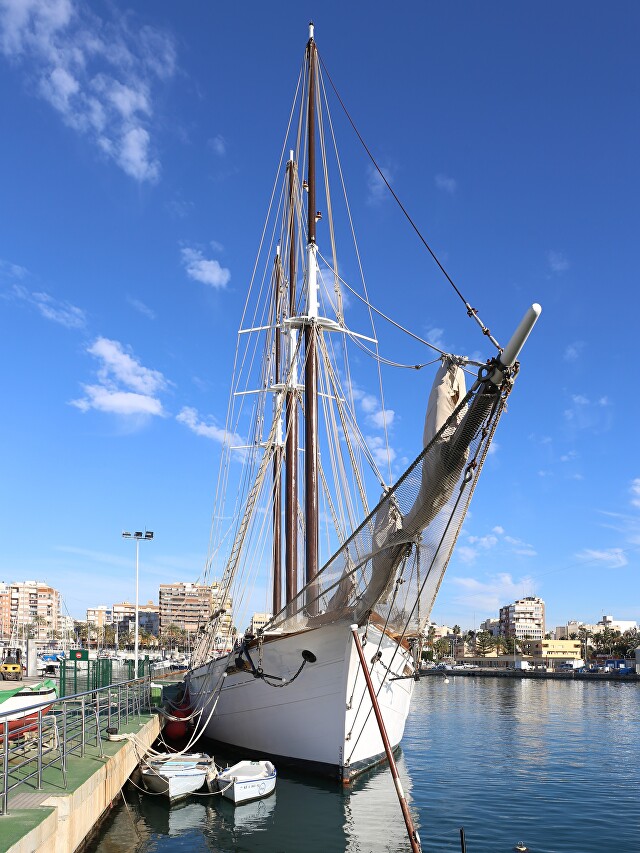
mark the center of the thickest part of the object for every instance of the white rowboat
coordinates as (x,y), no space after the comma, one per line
(246,781)
(177,776)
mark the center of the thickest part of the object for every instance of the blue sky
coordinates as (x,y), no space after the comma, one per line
(137,155)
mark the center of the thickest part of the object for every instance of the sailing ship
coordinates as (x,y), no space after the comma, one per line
(298,490)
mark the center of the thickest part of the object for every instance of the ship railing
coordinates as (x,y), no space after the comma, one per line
(35,749)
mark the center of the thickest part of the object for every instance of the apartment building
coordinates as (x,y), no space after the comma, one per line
(124,616)
(524,619)
(188,607)
(5,611)
(29,608)
(100,616)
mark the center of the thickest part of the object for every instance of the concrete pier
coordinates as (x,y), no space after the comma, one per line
(58,819)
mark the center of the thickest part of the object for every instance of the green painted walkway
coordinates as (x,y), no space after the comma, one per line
(26,803)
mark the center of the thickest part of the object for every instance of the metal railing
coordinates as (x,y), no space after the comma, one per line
(48,733)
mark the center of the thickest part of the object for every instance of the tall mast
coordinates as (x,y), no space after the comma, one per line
(291,415)
(311,370)
(277,456)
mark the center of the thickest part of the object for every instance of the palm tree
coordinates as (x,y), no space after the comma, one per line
(470,638)
(110,636)
(442,647)
(585,635)
(605,640)
(37,623)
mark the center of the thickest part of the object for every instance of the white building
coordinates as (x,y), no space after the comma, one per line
(621,625)
(524,619)
(492,626)
(258,621)
(100,616)
(563,632)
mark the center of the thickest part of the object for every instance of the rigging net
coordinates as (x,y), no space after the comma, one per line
(390,569)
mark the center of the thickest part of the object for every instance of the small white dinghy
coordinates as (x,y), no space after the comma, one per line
(246,780)
(176,776)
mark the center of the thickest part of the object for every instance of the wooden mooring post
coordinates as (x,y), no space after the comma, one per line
(414,838)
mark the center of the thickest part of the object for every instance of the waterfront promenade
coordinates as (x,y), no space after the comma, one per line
(494,672)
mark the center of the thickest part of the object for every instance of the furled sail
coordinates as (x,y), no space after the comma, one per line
(392,531)
(392,565)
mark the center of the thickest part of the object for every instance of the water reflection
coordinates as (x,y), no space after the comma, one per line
(303,814)
(551,763)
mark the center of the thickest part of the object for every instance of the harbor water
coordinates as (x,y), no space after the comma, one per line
(553,764)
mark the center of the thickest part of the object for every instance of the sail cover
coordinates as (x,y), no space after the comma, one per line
(391,567)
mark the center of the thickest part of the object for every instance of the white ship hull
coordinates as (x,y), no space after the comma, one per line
(322,720)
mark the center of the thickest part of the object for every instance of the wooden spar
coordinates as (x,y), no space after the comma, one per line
(311,369)
(291,418)
(277,456)
(414,838)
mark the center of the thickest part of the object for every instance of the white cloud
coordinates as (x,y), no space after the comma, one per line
(125,386)
(133,155)
(96,73)
(218,145)
(574,351)
(557,261)
(13,270)
(435,336)
(119,365)
(105,399)
(484,542)
(191,419)
(473,546)
(63,313)
(143,309)
(613,558)
(584,413)
(202,269)
(180,208)
(382,454)
(377,190)
(448,185)
(490,595)
(382,418)
(369,403)
(635,492)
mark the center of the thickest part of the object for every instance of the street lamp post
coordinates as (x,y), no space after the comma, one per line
(139,537)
